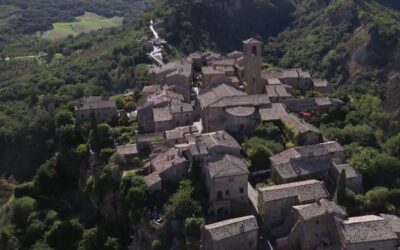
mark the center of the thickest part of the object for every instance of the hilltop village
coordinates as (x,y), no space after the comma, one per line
(195,113)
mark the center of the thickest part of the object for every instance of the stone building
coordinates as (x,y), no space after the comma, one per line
(127,150)
(276,202)
(97,108)
(304,133)
(165,111)
(226,108)
(322,161)
(311,226)
(209,73)
(219,142)
(354,179)
(322,85)
(159,75)
(233,234)
(277,93)
(179,135)
(318,104)
(252,81)
(170,166)
(226,178)
(370,232)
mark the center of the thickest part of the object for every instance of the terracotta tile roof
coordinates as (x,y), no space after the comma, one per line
(319,208)
(304,191)
(232,227)
(290,73)
(252,40)
(273,113)
(152,179)
(225,165)
(212,143)
(367,228)
(212,95)
(320,82)
(128,149)
(95,102)
(242,100)
(166,159)
(349,170)
(278,90)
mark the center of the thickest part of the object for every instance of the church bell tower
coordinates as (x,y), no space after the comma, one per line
(252,50)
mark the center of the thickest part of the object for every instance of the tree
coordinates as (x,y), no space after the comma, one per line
(156,245)
(259,150)
(22,208)
(111,244)
(392,146)
(134,194)
(193,227)
(64,234)
(90,239)
(67,135)
(34,232)
(181,205)
(100,137)
(64,117)
(365,107)
(340,193)
(376,200)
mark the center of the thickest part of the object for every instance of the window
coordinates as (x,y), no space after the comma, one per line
(227,193)
(254,50)
(230,180)
(316,235)
(177,123)
(250,243)
(317,222)
(219,195)
(254,80)
(187,115)
(241,190)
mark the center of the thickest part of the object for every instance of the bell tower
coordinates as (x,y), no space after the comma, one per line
(252,50)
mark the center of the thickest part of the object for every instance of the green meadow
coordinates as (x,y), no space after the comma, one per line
(84,24)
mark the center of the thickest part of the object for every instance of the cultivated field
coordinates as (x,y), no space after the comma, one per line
(84,24)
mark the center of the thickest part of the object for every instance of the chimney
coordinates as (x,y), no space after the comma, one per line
(241,227)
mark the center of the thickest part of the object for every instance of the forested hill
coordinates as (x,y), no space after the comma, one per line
(354,43)
(20,20)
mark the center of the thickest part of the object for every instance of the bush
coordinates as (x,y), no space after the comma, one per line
(259,150)
(21,210)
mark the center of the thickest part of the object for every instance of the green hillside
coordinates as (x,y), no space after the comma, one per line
(84,24)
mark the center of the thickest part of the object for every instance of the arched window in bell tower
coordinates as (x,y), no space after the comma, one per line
(254,50)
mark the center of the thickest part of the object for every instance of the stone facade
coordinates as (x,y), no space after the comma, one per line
(252,50)
(275,202)
(310,226)
(97,108)
(226,178)
(234,234)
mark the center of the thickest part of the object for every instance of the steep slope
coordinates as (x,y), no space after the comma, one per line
(353,43)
